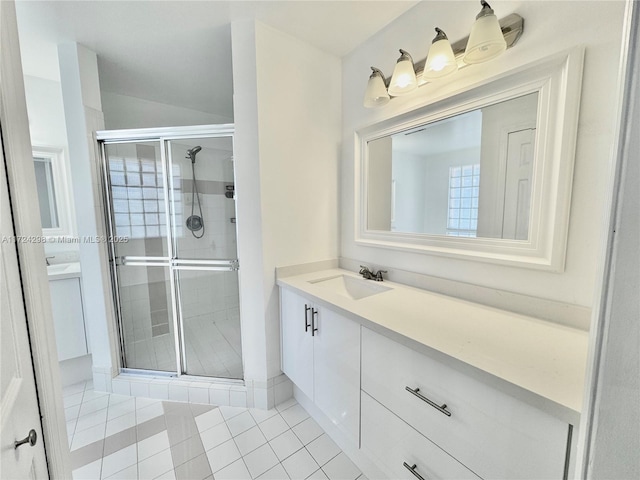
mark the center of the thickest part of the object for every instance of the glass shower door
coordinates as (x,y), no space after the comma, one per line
(135,176)
(204,241)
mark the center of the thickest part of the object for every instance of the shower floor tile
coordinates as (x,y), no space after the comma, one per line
(213,347)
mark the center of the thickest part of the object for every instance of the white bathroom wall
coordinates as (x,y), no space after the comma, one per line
(47,128)
(122,111)
(287,116)
(550,27)
(615,428)
(46,112)
(83,116)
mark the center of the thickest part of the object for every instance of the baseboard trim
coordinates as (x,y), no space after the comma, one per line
(210,391)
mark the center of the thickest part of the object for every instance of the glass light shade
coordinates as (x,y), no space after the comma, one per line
(376,94)
(403,80)
(440,60)
(486,40)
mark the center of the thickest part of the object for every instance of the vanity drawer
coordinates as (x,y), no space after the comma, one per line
(391,443)
(493,434)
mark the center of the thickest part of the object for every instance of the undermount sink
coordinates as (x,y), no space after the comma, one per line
(350,287)
(63,268)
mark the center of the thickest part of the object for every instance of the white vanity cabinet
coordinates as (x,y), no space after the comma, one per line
(321,355)
(492,434)
(441,388)
(68,317)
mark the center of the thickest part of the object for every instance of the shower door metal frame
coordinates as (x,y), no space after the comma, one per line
(163,136)
(178,264)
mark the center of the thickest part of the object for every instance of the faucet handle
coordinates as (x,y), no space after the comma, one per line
(365,272)
(379,275)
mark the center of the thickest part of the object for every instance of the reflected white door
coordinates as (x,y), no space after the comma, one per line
(19,413)
(517,192)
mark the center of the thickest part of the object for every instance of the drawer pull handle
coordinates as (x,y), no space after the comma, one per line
(306,320)
(412,469)
(441,408)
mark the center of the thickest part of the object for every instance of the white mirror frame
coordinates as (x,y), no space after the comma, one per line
(62,188)
(557,80)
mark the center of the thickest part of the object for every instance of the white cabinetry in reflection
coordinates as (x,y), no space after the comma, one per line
(68,317)
(321,355)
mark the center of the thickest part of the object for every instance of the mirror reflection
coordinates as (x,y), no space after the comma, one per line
(46,192)
(469,175)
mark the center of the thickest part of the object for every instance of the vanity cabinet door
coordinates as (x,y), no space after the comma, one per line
(336,366)
(321,355)
(297,342)
(68,317)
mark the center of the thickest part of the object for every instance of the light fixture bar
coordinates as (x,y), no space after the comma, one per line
(512,27)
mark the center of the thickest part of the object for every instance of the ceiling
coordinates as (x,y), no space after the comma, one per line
(443,136)
(179,52)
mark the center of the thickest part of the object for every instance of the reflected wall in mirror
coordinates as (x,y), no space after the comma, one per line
(46,192)
(54,192)
(482,172)
(469,175)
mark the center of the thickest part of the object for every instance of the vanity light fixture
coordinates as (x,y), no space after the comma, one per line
(489,38)
(376,94)
(486,40)
(440,60)
(403,80)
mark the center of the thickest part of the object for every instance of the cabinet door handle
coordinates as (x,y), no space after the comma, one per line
(314,329)
(306,320)
(412,469)
(441,408)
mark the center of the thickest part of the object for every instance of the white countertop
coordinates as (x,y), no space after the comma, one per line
(538,361)
(61,271)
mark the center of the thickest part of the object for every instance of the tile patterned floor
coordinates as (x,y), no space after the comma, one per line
(119,437)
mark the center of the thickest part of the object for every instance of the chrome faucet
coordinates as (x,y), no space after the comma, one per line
(366,273)
(379,275)
(46,259)
(369,275)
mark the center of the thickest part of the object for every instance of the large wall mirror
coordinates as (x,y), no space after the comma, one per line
(484,173)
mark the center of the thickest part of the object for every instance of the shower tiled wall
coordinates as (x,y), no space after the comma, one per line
(211,316)
(219,240)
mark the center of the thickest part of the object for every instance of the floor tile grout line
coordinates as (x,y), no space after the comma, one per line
(279,462)
(327,462)
(75,423)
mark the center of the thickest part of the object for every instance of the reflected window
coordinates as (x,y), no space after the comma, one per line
(464,187)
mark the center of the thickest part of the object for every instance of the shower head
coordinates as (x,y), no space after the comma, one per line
(193,152)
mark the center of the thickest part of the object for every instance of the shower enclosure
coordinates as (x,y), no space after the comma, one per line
(170,205)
